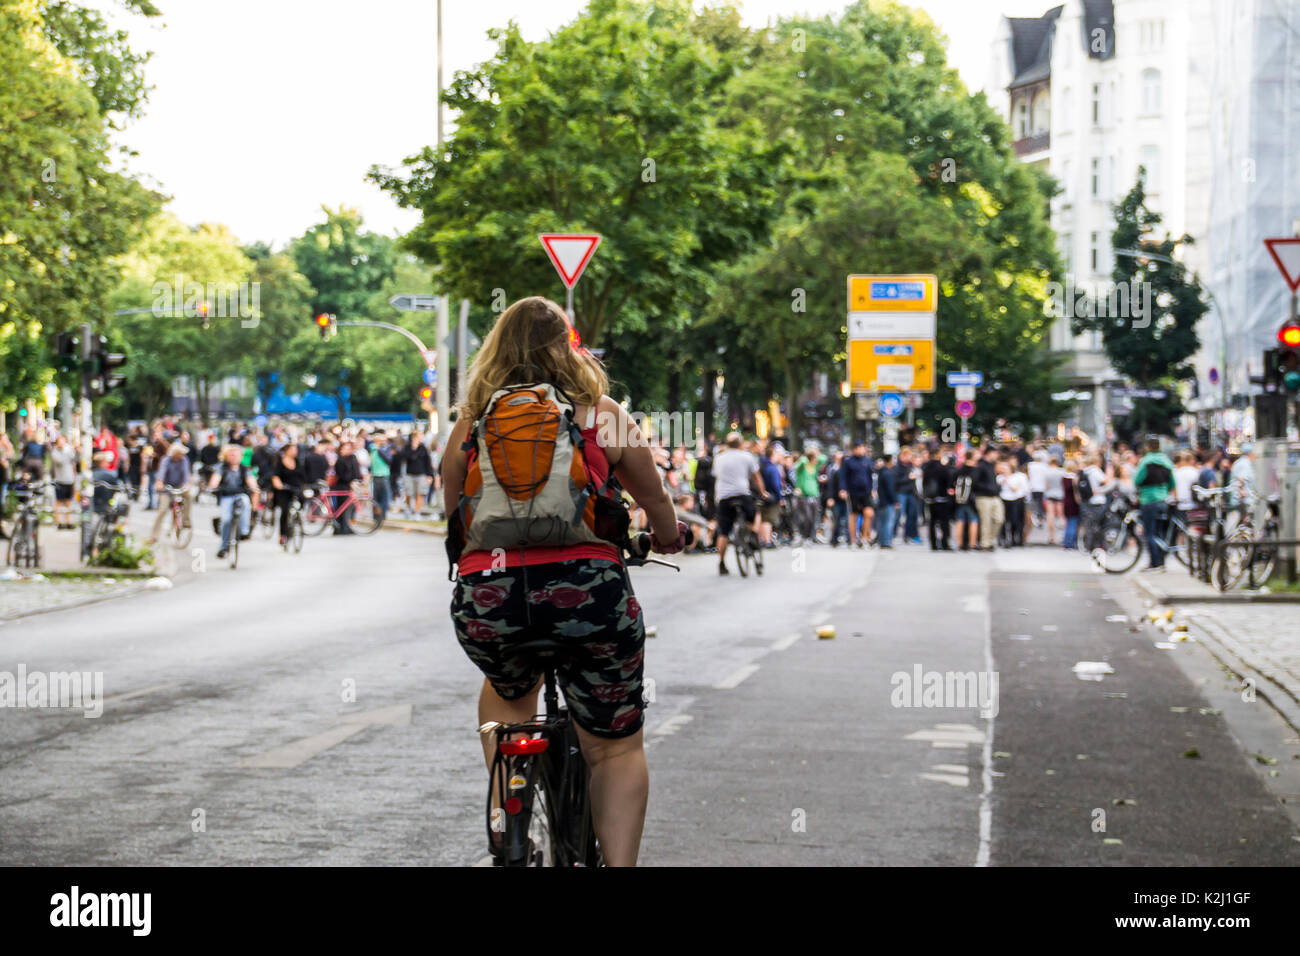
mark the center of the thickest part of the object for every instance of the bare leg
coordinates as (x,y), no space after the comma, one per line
(620,788)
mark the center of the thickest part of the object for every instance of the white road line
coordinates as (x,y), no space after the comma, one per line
(670,726)
(821,617)
(132,695)
(788,641)
(986,794)
(951,768)
(300,751)
(948,778)
(732,682)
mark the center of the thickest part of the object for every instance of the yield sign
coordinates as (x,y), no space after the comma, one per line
(1286,253)
(569,253)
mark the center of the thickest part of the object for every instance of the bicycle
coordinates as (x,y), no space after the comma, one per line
(296,533)
(538,798)
(24,548)
(181,531)
(322,511)
(266,515)
(232,553)
(102,531)
(1242,553)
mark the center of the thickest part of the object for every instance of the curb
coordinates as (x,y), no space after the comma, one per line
(1217,597)
(84,602)
(416,528)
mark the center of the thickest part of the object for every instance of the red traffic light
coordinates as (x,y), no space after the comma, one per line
(323,320)
(1289,335)
(575,340)
(426,393)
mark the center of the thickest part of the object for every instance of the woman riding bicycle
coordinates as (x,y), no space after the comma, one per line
(579,593)
(288,481)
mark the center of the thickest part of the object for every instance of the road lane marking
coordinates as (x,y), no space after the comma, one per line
(951,768)
(732,682)
(670,726)
(132,695)
(298,752)
(948,778)
(788,641)
(986,793)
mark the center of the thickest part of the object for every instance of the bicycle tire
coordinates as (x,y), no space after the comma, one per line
(743,555)
(1119,547)
(1264,559)
(315,518)
(529,837)
(1232,566)
(756,553)
(296,532)
(365,516)
(182,533)
(266,521)
(1178,545)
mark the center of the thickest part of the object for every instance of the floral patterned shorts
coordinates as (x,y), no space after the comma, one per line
(590,603)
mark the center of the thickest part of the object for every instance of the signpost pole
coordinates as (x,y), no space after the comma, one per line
(462,347)
(568,303)
(443,388)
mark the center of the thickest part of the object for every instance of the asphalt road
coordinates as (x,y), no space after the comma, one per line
(315,709)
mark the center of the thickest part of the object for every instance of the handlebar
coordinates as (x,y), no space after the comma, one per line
(637,550)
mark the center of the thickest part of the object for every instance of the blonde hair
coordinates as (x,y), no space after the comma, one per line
(530,343)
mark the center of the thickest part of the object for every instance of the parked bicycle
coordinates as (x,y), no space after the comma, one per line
(104,531)
(538,806)
(24,550)
(328,505)
(1248,551)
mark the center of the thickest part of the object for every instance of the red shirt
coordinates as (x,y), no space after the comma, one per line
(598,469)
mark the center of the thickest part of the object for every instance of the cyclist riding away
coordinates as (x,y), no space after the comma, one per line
(737,486)
(532,515)
(234,486)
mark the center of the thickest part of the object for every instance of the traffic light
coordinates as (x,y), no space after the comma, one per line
(1286,361)
(327,325)
(426,398)
(67,352)
(102,376)
(203,314)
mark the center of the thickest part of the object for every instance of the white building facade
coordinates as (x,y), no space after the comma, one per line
(1094,89)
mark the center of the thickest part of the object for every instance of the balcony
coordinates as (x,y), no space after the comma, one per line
(1029,145)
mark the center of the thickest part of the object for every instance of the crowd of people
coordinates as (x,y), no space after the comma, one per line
(971,499)
(165,459)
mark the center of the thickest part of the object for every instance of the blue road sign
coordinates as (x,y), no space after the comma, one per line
(430,376)
(974,379)
(901,291)
(891,404)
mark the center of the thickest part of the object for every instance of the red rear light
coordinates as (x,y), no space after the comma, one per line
(517,748)
(514,805)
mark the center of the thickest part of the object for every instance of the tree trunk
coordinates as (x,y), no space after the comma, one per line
(675,390)
(707,399)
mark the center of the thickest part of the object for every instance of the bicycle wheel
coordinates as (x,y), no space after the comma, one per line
(266,521)
(234,545)
(528,836)
(1177,544)
(756,554)
(181,532)
(295,532)
(1264,559)
(365,515)
(1232,567)
(315,517)
(744,555)
(1118,548)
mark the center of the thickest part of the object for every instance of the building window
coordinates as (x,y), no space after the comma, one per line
(1150,92)
(1022,118)
(1042,112)
(1096,104)
(1067,251)
(1110,177)
(1065,182)
(1114,101)
(1151,35)
(1094,250)
(1096,178)
(1151,160)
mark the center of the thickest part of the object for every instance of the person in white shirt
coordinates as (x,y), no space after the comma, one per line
(1185,475)
(1038,483)
(1054,498)
(1015,495)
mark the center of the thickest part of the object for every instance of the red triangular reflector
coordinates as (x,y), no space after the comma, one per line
(1286,253)
(569,253)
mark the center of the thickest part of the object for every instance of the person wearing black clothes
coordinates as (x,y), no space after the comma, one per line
(937,478)
(704,481)
(417,466)
(887,500)
(966,516)
(856,482)
(209,455)
(315,466)
(830,496)
(347,471)
(288,480)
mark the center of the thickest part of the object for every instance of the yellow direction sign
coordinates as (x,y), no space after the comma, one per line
(905,366)
(891,331)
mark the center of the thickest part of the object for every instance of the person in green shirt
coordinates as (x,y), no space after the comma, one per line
(1154,479)
(808,492)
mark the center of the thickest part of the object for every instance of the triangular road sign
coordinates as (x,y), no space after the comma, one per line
(1286,253)
(569,253)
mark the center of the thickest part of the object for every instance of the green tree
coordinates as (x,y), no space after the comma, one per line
(66,208)
(606,126)
(1150,350)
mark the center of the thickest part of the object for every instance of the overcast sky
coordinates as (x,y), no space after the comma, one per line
(263,110)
